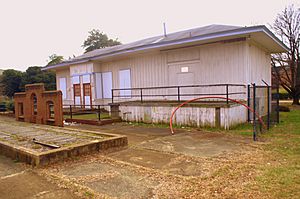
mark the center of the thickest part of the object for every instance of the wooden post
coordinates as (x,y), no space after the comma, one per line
(71,112)
(99,116)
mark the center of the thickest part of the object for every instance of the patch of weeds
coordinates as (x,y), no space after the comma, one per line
(89,194)
(157,125)
(245,129)
(18,138)
(164,125)
(209,129)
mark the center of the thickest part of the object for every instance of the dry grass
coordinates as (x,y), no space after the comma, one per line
(269,169)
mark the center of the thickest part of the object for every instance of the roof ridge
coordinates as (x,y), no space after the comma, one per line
(184,36)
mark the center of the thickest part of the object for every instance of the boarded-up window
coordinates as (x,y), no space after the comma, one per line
(63,86)
(98,77)
(86,79)
(125,82)
(107,84)
(76,80)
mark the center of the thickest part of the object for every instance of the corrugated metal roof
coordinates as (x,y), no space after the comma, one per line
(155,41)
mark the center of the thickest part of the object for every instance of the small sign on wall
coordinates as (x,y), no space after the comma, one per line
(184,69)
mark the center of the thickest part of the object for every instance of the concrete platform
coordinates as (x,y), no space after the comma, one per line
(16,142)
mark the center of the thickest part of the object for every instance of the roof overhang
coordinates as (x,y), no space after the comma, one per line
(260,34)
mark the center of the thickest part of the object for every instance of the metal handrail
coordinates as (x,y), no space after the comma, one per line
(178,94)
(185,86)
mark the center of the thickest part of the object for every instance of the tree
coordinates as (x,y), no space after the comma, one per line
(35,74)
(97,40)
(55,59)
(11,81)
(287,65)
(1,84)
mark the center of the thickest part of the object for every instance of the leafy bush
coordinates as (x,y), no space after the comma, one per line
(10,105)
(2,107)
(284,96)
(7,104)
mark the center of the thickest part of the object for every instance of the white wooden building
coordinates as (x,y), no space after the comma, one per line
(215,54)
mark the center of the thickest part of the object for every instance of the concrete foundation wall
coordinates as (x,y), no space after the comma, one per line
(224,117)
(233,116)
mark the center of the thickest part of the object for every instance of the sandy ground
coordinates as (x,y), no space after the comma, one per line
(190,164)
(20,181)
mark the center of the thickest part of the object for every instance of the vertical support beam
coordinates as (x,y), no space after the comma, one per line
(268,99)
(277,103)
(178,93)
(112,96)
(115,111)
(218,117)
(71,116)
(254,108)
(141,93)
(99,110)
(227,95)
(248,101)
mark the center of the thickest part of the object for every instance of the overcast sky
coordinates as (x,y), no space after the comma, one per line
(31,30)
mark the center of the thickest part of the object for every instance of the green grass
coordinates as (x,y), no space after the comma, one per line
(282,90)
(157,125)
(89,116)
(282,177)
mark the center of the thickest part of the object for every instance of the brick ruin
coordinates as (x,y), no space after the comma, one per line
(36,105)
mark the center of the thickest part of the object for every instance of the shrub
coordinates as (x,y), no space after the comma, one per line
(7,104)
(10,106)
(2,107)
(284,96)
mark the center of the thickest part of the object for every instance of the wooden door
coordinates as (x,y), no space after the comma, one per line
(87,95)
(125,82)
(77,94)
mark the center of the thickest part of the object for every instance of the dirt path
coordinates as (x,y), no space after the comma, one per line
(20,181)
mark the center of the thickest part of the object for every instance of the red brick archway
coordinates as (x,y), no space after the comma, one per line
(33,105)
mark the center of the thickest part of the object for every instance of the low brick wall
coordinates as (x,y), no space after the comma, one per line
(224,116)
(18,153)
(40,159)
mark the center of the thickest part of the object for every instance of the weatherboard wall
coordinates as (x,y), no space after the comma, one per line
(207,64)
(226,62)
